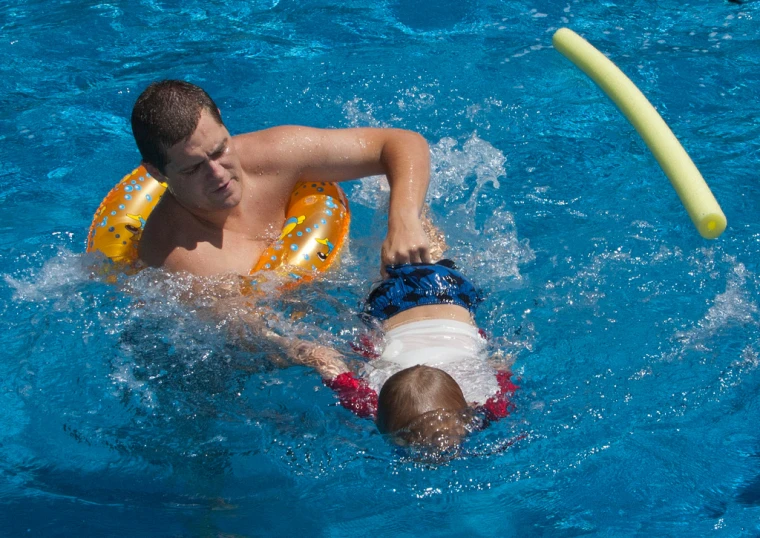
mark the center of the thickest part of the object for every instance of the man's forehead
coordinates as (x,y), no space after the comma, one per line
(205,140)
(181,153)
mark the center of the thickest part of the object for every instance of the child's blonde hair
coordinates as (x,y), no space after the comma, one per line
(423,405)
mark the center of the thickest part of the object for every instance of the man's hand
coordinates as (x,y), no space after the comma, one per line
(406,242)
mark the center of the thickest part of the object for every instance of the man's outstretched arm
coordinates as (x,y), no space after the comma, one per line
(344,154)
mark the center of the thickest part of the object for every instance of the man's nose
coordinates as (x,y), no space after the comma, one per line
(216,170)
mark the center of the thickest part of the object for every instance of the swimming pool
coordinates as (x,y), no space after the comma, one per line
(122,412)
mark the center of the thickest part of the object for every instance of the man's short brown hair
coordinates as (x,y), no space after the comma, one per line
(166,113)
(422,405)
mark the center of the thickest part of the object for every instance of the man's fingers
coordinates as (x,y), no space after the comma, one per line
(397,251)
(388,259)
(425,256)
(417,254)
(401,258)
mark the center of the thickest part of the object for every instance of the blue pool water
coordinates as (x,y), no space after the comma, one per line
(125,412)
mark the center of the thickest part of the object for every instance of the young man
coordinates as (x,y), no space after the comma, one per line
(227,194)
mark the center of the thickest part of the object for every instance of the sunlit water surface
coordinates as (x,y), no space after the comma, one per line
(126,409)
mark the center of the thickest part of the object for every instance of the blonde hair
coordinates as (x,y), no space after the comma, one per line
(423,405)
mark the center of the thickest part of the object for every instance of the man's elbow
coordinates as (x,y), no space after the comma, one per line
(402,142)
(415,140)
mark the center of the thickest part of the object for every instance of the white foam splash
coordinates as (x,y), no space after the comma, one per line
(360,113)
(451,167)
(498,263)
(125,382)
(493,250)
(733,307)
(54,281)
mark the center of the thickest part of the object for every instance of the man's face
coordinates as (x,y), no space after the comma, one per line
(204,171)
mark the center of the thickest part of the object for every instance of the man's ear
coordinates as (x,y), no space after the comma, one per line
(153,171)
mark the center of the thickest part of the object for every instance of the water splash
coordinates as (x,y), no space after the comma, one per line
(55,281)
(497,264)
(452,170)
(732,308)
(452,167)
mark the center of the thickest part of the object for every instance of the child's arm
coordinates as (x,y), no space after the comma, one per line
(246,323)
(354,393)
(327,361)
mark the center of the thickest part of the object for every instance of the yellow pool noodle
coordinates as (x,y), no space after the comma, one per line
(674,161)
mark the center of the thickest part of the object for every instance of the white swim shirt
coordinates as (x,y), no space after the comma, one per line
(453,346)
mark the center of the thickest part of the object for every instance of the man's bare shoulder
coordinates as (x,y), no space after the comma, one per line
(273,148)
(276,136)
(166,231)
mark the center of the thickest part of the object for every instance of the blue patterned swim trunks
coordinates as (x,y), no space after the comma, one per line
(420,284)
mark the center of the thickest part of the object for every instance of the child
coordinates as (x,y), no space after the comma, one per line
(431,373)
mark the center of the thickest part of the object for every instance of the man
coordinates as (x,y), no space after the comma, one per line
(227,195)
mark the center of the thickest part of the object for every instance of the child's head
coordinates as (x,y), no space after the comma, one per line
(424,406)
